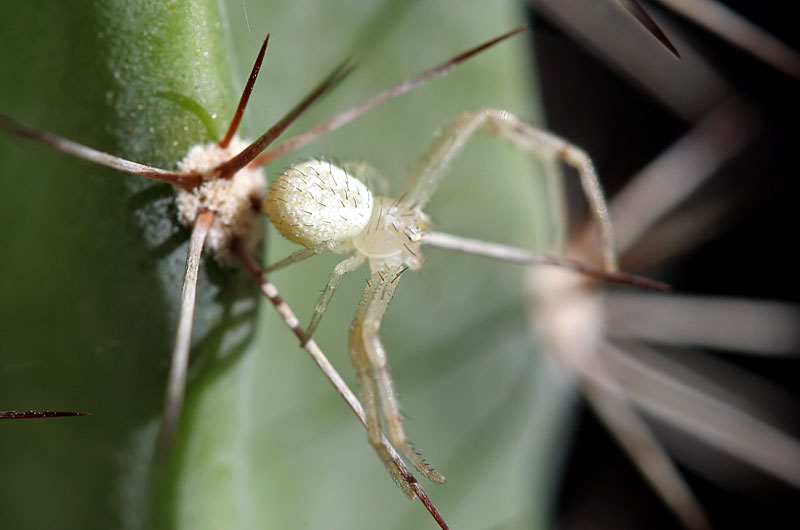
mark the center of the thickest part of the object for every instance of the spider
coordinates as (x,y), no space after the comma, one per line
(218,188)
(326,209)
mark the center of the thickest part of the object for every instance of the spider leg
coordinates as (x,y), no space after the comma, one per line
(343,267)
(360,360)
(399,470)
(367,350)
(300,255)
(425,179)
(510,254)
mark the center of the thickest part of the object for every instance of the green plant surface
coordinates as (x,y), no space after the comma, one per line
(92,264)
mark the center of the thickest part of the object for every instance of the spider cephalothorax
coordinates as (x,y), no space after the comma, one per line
(394,235)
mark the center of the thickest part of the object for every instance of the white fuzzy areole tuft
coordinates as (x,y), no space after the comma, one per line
(316,201)
(231,200)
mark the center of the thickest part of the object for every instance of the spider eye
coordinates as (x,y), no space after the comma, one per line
(316,201)
(421,226)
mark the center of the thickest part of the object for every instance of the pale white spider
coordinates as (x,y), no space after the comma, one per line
(327,209)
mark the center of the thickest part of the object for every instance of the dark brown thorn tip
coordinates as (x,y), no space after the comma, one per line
(33,414)
(248,89)
(185,180)
(352,113)
(633,7)
(229,168)
(428,503)
(633,280)
(620,278)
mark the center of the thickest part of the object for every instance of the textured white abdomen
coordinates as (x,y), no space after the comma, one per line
(316,201)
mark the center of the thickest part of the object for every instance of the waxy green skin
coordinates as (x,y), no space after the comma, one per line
(92,263)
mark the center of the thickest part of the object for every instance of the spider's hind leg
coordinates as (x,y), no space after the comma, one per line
(426,177)
(367,351)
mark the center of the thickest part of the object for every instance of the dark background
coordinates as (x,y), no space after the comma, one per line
(623,128)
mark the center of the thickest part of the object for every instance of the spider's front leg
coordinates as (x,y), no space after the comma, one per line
(426,177)
(367,351)
(343,267)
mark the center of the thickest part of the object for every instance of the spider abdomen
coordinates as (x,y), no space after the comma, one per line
(316,201)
